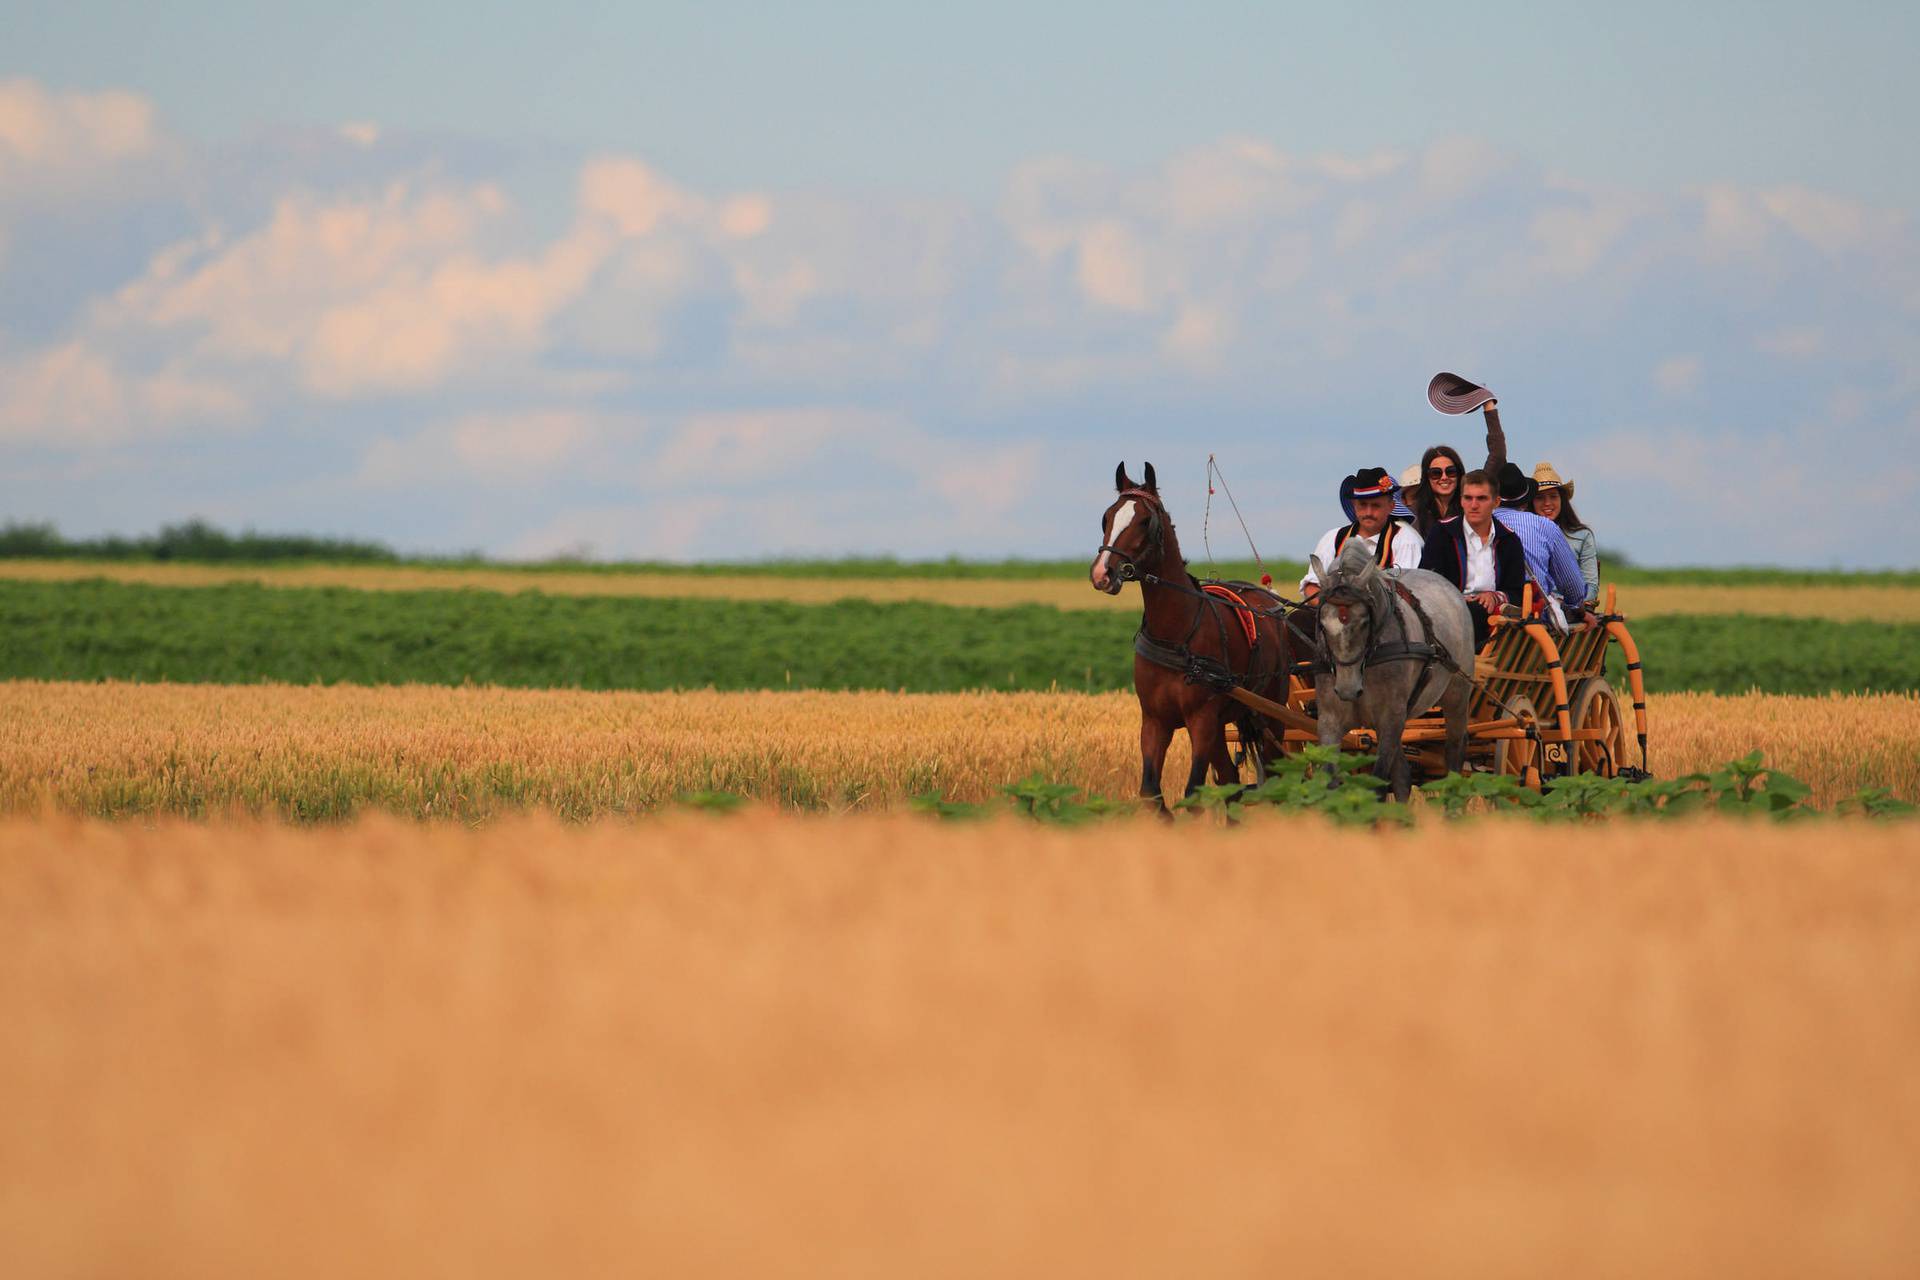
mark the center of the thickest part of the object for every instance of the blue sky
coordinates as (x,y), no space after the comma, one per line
(719,280)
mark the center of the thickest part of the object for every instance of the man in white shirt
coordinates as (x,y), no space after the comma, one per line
(1367,497)
(1478,554)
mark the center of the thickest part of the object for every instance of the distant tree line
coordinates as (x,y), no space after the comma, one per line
(194,540)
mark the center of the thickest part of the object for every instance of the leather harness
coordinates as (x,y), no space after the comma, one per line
(1214,597)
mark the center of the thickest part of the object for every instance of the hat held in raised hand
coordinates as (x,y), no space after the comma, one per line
(1452,394)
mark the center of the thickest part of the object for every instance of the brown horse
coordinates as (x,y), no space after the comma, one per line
(1183,630)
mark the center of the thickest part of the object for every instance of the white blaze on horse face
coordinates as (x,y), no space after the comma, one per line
(1122,517)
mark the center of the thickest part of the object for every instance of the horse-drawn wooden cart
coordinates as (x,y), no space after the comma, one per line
(1542,707)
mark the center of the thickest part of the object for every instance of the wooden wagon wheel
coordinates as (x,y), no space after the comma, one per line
(1597,706)
(1519,757)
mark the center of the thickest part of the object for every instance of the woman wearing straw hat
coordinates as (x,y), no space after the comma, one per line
(1553,499)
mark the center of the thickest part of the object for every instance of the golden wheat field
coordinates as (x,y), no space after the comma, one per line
(1884,603)
(787,1046)
(425,751)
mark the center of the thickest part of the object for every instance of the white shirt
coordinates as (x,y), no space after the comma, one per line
(1480,574)
(1405,554)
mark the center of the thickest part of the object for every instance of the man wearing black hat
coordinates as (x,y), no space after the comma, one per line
(1367,498)
(1550,559)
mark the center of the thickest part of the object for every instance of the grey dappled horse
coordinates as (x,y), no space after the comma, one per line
(1365,626)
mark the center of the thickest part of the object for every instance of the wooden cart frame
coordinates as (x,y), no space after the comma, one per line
(1542,707)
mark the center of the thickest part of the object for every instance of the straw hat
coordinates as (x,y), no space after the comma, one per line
(1545,477)
(1409,482)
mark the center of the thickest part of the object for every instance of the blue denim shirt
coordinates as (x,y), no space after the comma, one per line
(1550,561)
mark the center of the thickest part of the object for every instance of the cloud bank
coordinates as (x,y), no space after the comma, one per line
(357,331)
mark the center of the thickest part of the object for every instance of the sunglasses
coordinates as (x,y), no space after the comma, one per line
(1443,472)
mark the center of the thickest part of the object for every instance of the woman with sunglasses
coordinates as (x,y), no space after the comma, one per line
(1438,499)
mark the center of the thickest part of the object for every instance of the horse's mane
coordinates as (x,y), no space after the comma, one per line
(1350,564)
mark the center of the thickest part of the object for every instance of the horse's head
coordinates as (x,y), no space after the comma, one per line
(1352,598)
(1132,533)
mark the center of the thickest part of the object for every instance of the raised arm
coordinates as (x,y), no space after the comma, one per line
(1496,440)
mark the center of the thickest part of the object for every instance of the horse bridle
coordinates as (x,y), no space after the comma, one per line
(1130,571)
(1342,597)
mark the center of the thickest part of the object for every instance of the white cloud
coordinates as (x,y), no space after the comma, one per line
(909,493)
(631,196)
(1232,181)
(726,448)
(55,137)
(1733,222)
(1453,167)
(498,448)
(72,396)
(1197,336)
(1678,376)
(1799,342)
(806,337)
(1112,269)
(1833,224)
(1572,238)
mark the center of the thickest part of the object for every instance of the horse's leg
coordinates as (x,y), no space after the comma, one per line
(1208,738)
(1155,736)
(1334,715)
(1391,766)
(1332,712)
(1253,747)
(1221,755)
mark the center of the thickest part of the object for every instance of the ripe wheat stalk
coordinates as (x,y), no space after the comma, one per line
(314,752)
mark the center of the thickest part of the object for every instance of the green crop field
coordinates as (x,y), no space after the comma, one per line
(195,542)
(243,633)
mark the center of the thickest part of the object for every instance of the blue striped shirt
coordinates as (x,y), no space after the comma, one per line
(1550,560)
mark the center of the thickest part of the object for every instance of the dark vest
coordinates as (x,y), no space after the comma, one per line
(1383,554)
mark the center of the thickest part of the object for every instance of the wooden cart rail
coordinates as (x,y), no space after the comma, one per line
(1522,662)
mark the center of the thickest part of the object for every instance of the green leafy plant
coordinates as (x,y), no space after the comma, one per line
(1457,791)
(712,801)
(1875,802)
(1339,786)
(932,802)
(1057,802)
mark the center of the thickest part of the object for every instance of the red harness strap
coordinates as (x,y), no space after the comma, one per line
(1246,618)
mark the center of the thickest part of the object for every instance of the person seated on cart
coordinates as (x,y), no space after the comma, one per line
(1367,497)
(1553,500)
(1558,586)
(1479,555)
(1435,497)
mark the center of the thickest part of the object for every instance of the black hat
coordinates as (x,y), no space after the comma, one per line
(1367,482)
(1516,486)
(1452,394)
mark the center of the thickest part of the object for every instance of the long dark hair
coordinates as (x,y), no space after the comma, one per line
(1426,507)
(1568,518)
